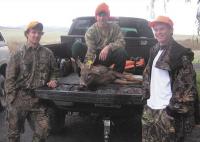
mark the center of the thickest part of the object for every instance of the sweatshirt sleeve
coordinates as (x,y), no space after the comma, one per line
(12,71)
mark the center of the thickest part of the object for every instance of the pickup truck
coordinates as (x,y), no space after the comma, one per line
(4,57)
(108,101)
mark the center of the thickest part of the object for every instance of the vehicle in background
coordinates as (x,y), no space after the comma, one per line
(4,57)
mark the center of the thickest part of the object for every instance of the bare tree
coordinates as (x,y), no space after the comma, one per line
(198,18)
(152,11)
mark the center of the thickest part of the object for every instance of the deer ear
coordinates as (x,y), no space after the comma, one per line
(79,63)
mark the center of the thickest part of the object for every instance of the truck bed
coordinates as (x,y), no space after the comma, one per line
(67,93)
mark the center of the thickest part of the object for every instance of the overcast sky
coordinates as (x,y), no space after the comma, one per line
(60,13)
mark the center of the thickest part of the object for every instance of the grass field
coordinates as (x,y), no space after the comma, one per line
(196,57)
(15,37)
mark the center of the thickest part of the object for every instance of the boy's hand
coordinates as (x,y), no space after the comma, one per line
(52,84)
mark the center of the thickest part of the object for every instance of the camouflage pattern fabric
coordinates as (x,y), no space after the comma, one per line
(28,68)
(26,106)
(96,39)
(157,126)
(178,61)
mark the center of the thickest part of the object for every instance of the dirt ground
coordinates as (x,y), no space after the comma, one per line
(79,129)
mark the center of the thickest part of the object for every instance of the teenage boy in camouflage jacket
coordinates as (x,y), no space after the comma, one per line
(169,88)
(105,42)
(31,67)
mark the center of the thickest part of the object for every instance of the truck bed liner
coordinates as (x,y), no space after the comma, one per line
(112,94)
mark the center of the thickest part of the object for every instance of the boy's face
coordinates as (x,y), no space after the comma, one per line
(163,32)
(34,36)
(102,19)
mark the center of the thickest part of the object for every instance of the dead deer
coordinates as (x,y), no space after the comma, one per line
(102,75)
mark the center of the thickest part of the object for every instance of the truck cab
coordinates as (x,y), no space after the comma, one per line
(138,35)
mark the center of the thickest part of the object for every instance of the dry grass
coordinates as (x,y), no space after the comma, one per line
(196,57)
(191,43)
(15,37)
(14,45)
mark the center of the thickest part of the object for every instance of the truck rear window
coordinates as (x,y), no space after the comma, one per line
(81,26)
(129,32)
(130,27)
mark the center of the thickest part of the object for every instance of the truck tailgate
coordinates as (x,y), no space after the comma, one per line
(112,94)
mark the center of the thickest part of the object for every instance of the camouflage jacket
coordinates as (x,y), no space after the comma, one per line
(178,61)
(29,68)
(97,39)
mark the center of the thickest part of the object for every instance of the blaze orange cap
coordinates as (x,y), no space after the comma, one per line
(34,24)
(103,7)
(162,19)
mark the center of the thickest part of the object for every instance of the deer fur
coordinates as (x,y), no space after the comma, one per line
(102,75)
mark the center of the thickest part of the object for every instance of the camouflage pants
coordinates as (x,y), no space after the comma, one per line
(158,126)
(27,107)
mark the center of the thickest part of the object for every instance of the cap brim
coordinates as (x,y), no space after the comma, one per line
(38,26)
(152,24)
